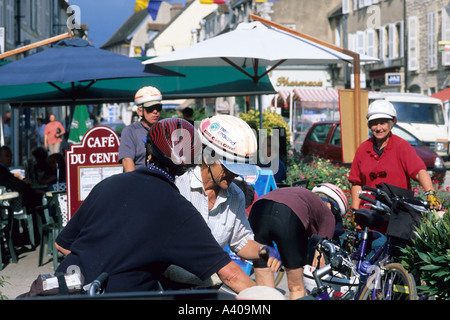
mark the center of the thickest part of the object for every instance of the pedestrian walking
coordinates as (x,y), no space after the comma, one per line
(53,132)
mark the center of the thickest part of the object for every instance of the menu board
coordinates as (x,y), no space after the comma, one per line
(88,163)
(90,176)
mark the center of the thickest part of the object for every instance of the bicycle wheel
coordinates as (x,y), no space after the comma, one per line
(394,284)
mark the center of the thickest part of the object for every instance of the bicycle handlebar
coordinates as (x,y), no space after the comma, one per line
(338,260)
(386,203)
(98,283)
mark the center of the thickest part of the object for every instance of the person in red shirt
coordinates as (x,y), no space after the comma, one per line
(387,158)
(54,130)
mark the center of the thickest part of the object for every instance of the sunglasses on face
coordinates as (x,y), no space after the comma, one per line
(379,174)
(157,107)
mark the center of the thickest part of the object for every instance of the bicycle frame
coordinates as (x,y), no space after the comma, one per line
(372,265)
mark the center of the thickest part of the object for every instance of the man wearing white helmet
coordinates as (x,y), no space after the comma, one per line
(289,216)
(387,158)
(229,150)
(131,149)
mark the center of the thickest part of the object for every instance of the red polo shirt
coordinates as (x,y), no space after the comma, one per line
(397,165)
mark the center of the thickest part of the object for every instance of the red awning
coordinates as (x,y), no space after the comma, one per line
(316,94)
(284,94)
(317,98)
(443,95)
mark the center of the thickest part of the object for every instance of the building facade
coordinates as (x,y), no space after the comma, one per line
(23,22)
(404,35)
(428,24)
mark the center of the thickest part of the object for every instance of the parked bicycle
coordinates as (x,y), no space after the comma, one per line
(372,274)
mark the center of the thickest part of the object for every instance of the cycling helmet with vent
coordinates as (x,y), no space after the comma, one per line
(381,109)
(335,194)
(147,97)
(231,141)
(173,143)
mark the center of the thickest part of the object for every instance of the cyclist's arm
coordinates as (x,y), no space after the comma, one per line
(128,164)
(355,196)
(250,250)
(234,277)
(425,180)
(64,251)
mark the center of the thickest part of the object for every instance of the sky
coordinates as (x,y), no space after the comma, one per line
(104,17)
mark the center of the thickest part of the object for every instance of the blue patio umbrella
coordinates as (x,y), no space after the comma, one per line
(75,62)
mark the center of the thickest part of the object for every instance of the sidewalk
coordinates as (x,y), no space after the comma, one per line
(22,274)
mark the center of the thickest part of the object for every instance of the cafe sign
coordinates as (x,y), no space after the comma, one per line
(94,159)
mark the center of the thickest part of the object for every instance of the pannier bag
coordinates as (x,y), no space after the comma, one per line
(406,213)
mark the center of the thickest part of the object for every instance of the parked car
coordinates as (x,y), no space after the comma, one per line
(324,140)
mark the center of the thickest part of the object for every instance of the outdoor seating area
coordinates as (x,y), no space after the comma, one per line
(18,227)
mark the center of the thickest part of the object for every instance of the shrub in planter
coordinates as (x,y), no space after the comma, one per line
(428,257)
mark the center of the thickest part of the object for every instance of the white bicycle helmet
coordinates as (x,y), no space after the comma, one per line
(147,97)
(232,143)
(381,109)
(334,193)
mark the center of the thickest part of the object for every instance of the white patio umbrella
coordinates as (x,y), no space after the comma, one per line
(252,45)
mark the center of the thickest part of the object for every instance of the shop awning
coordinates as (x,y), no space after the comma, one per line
(317,98)
(443,95)
(316,94)
(284,94)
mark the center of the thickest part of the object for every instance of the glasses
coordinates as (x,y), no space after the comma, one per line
(157,107)
(379,174)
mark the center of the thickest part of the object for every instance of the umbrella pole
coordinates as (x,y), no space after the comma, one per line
(36,44)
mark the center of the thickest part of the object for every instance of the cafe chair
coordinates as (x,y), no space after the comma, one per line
(53,226)
(6,223)
(21,215)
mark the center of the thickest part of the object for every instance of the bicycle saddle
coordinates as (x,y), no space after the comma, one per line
(368,218)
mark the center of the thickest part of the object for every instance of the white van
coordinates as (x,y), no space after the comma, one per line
(422,116)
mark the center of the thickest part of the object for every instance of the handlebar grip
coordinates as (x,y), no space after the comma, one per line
(369,188)
(366,198)
(102,278)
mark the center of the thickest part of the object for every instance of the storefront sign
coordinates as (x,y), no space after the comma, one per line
(89,162)
(393,79)
(286,82)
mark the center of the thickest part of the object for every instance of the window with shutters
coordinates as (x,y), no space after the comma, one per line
(371,43)
(392,41)
(400,33)
(446,34)
(351,42)
(432,45)
(413,44)
(345,6)
(361,42)
(380,37)
(9,27)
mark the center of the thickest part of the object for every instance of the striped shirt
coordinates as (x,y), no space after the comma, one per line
(227,219)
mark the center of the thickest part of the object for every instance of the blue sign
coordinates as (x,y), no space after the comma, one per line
(393,79)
